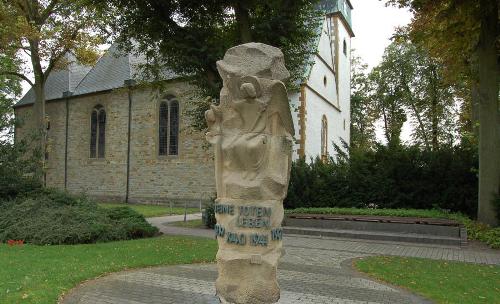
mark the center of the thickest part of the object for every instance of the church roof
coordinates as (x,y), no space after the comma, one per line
(115,67)
(110,72)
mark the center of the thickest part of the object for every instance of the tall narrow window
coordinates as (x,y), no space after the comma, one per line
(93,134)
(344,48)
(102,134)
(168,126)
(174,128)
(163,129)
(97,132)
(324,138)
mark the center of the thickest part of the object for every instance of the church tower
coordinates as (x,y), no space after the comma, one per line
(322,106)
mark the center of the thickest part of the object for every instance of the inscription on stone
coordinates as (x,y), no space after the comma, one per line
(258,239)
(219,230)
(224,209)
(248,217)
(235,238)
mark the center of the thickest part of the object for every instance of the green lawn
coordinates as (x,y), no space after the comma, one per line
(423,213)
(440,281)
(189,224)
(39,274)
(152,210)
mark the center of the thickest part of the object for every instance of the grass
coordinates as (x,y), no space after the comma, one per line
(440,281)
(422,213)
(189,224)
(40,274)
(152,210)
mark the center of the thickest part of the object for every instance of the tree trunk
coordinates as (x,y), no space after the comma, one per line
(413,106)
(39,105)
(434,109)
(242,21)
(489,138)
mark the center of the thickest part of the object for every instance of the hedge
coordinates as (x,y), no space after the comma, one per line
(403,178)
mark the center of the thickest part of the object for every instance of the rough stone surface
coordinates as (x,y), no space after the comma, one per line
(252,132)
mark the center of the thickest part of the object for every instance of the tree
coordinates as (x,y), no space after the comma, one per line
(464,36)
(188,37)
(410,84)
(44,32)
(17,170)
(387,97)
(10,88)
(363,112)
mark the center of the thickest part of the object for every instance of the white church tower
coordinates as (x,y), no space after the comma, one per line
(322,106)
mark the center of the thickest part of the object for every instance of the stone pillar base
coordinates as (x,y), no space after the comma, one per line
(250,246)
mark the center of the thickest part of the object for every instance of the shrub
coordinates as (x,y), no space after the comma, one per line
(209,215)
(18,170)
(50,217)
(482,232)
(397,177)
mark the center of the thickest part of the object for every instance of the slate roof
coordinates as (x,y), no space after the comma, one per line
(110,72)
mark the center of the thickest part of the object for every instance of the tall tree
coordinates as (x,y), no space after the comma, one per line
(428,98)
(387,97)
(363,112)
(39,33)
(465,35)
(188,37)
(10,88)
(415,89)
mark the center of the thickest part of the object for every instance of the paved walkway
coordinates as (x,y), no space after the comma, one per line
(313,271)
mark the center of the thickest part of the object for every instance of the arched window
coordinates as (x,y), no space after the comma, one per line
(97,132)
(324,138)
(344,48)
(168,126)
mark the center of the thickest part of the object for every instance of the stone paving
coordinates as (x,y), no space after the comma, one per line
(314,270)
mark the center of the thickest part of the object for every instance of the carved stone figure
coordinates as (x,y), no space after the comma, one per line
(252,132)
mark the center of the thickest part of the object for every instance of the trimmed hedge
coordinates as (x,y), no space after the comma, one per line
(394,178)
(50,217)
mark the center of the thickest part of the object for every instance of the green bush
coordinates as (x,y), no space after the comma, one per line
(401,177)
(49,217)
(209,215)
(482,232)
(18,170)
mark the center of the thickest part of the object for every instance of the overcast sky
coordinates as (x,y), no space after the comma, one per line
(373,24)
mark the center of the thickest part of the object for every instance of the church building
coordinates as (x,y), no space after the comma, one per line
(117,141)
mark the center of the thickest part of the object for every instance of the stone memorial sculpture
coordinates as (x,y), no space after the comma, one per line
(252,132)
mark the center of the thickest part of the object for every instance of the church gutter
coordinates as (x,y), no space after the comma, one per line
(129,83)
(66,96)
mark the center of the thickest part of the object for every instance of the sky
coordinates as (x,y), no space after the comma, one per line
(373,25)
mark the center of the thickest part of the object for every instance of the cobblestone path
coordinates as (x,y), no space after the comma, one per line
(314,270)
(306,275)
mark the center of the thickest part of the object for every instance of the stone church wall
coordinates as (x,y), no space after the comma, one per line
(188,176)
(153,178)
